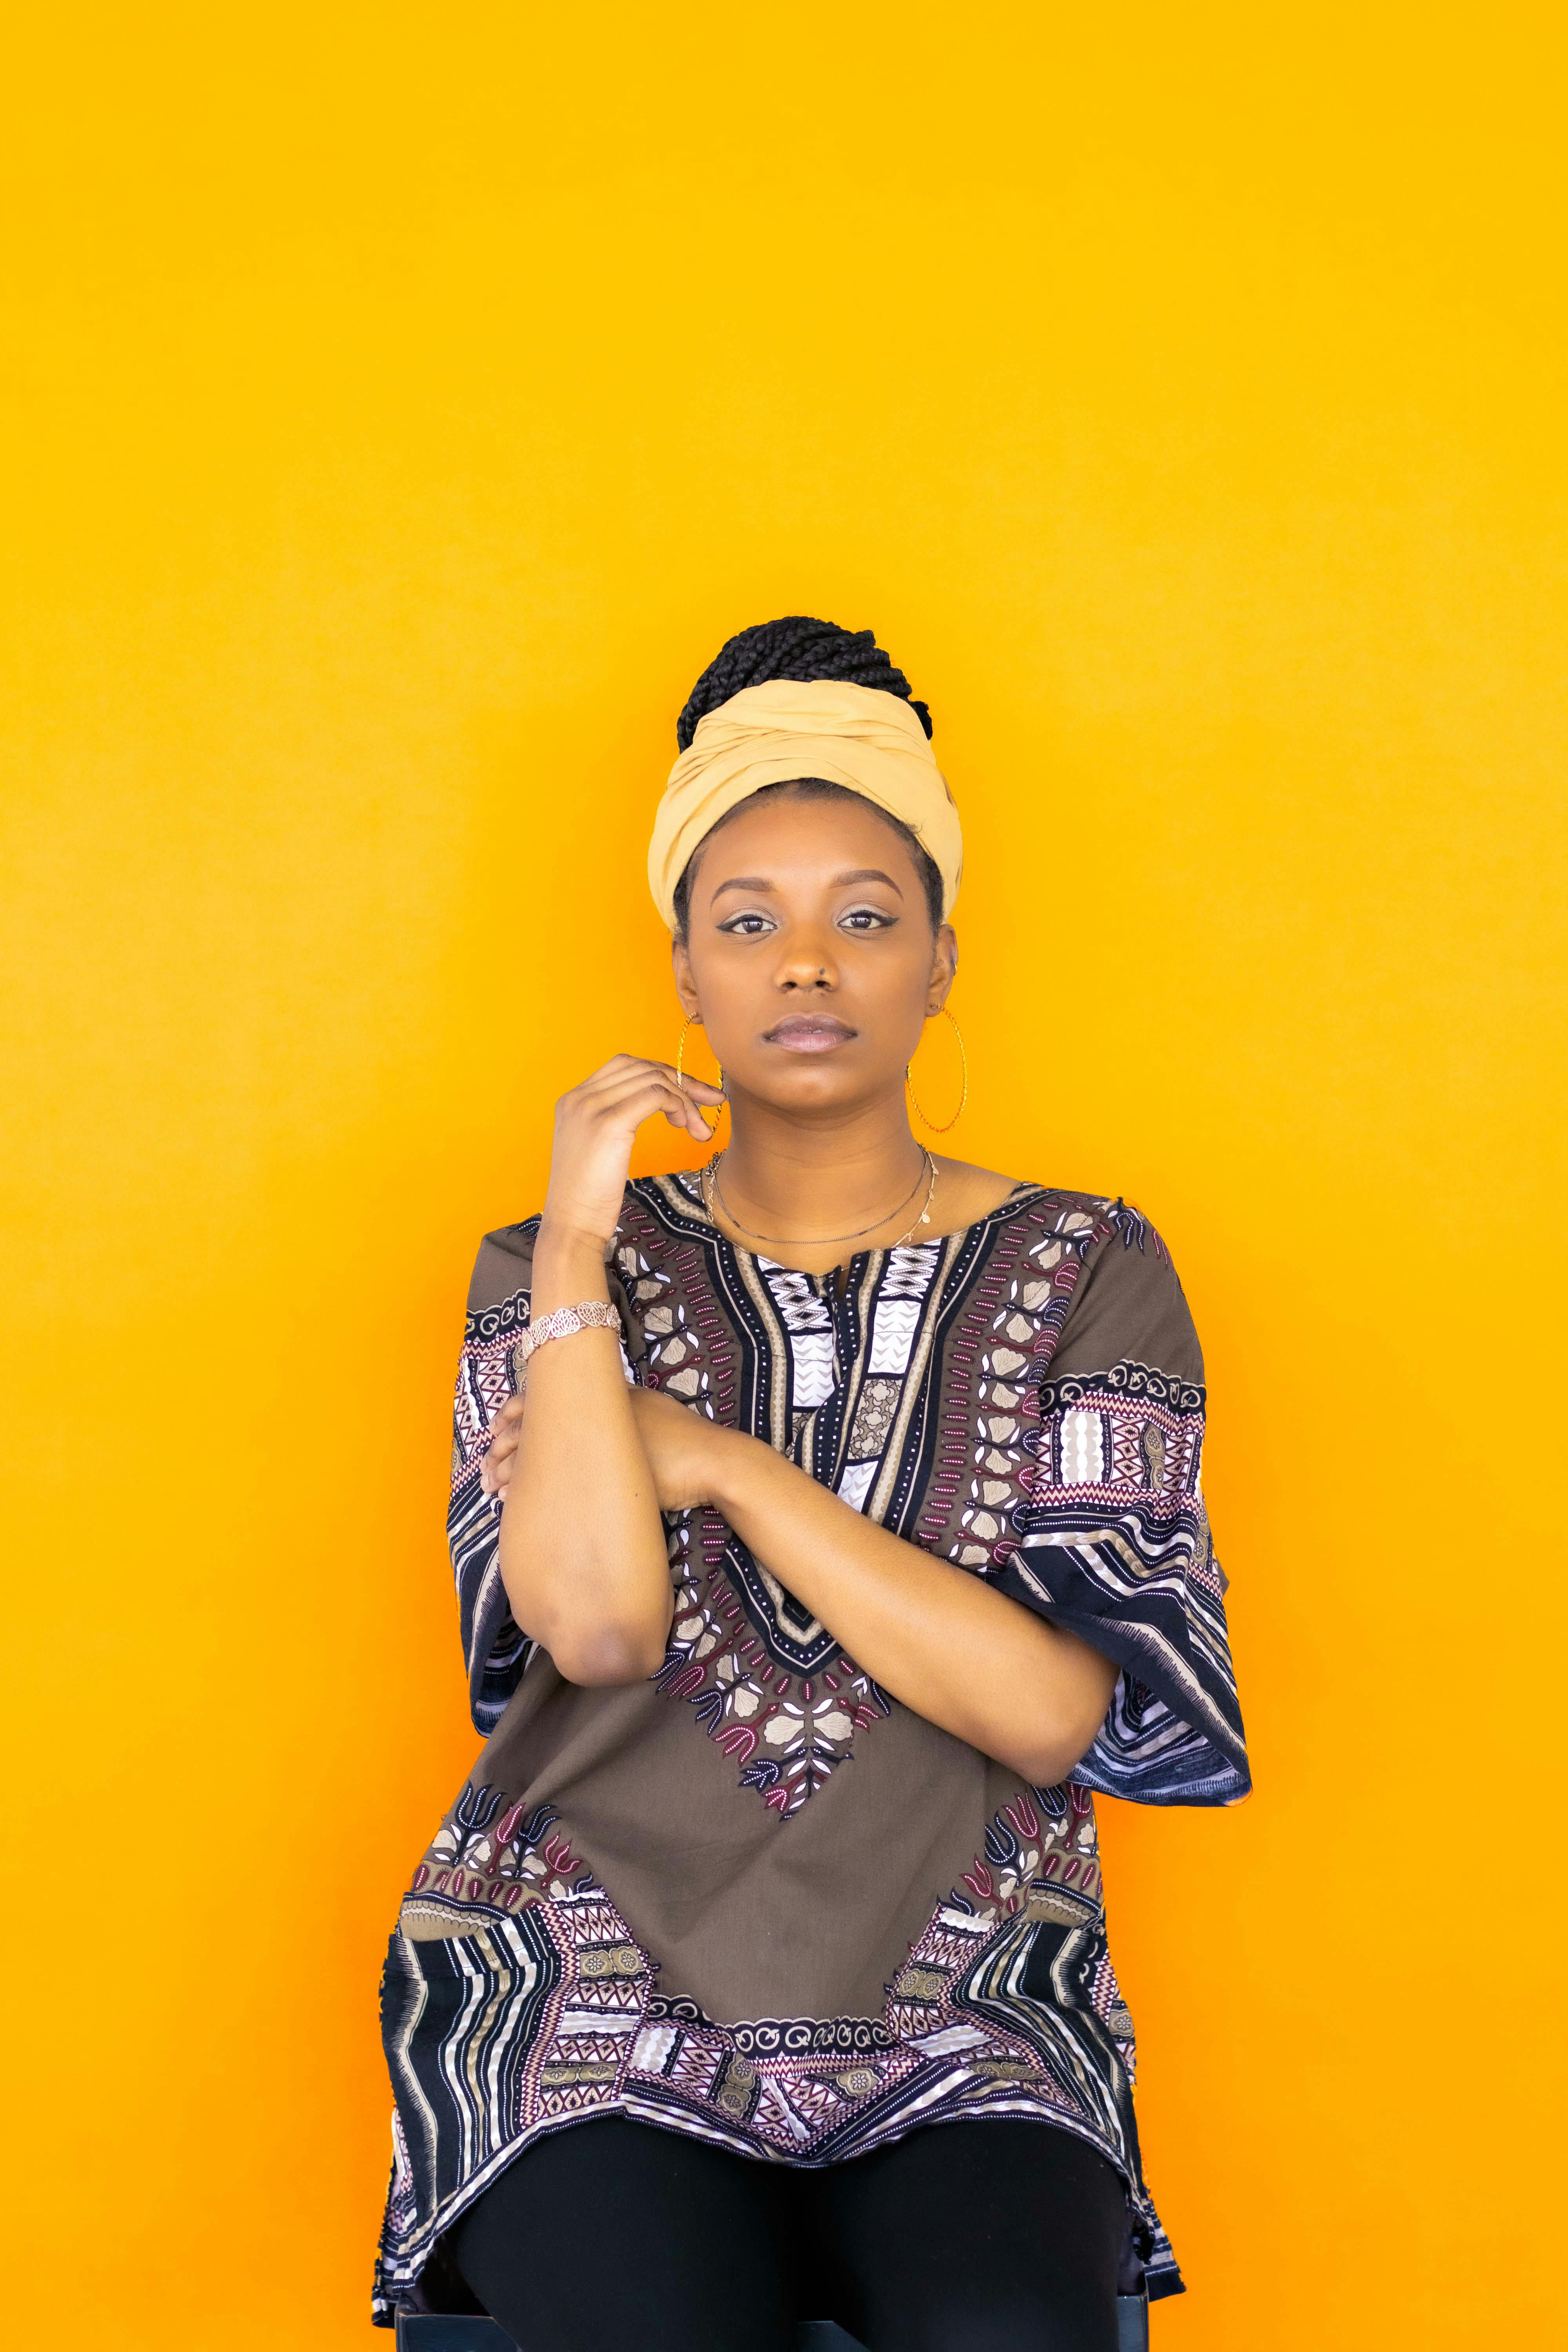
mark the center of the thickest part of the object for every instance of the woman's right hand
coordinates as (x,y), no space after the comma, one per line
(595,1127)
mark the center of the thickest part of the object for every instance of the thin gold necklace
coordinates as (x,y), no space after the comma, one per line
(712,1192)
(924,1217)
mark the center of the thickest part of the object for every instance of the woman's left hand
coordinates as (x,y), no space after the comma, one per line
(495,1470)
(682,1447)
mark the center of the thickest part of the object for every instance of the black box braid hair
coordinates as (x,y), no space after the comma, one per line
(797,648)
(803,650)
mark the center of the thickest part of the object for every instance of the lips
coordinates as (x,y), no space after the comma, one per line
(809,1033)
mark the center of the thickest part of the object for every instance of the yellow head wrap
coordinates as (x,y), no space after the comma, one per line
(857,736)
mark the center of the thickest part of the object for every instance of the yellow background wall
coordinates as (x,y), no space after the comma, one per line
(409,401)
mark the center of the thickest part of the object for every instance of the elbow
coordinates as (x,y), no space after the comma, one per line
(1050,1753)
(1045,1768)
(1045,1763)
(604,1657)
(595,1639)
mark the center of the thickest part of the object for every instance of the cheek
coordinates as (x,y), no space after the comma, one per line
(892,985)
(734,994)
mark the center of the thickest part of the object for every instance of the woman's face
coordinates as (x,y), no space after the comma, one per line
(809,955)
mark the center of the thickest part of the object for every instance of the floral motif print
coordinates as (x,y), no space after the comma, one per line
(925,1390)
(488,1851)
(765,1681)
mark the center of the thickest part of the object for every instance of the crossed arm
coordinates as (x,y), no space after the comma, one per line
(586,1470)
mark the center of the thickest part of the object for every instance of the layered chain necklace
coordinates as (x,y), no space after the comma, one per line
(713,1195)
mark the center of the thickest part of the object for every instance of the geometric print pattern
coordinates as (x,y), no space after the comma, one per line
(852,1371)
(1114,1544)
(517,2007)
(860,1367)
(516,1998)
(767,1682)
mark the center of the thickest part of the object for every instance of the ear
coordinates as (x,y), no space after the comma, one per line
(943,967)
(685,986)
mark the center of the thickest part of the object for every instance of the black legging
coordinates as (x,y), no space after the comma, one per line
(1002,2236)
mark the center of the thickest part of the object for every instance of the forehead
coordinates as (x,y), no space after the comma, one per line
(791,836)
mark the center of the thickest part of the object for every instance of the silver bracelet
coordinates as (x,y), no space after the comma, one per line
(590,1315)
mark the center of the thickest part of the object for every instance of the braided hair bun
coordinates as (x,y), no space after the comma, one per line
(797,648)
(802,650)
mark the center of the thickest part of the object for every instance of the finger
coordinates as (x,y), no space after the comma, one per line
(589,1090)
(496,1469)
(626,1066)
(616,1066)
(623,1066)
(690,1083)
(635,1092)
(622,1081)
(693,1123)
(699,1095)
(626,1082)
(650,1090)
(506,1429)
(695,1094)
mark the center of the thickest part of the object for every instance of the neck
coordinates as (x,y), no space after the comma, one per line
(832,1174)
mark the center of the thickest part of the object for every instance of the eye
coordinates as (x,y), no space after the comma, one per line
(751,925)
(865,919)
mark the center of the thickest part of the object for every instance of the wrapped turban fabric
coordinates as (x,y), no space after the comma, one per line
(857,736)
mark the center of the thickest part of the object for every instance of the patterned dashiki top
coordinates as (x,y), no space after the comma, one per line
(755,1898)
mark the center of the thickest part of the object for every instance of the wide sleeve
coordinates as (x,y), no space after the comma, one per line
(1113,1536)
(496,1650)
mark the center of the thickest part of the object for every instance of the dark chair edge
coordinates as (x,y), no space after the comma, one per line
(438,2332)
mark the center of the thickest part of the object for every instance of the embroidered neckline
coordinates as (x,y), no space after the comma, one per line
(687,1181)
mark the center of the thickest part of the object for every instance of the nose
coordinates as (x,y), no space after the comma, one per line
(806,957)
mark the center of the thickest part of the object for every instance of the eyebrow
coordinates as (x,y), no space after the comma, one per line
(840,881)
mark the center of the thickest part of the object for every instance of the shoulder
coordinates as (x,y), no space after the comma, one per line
(1128,1305)
(503,1267)
(969,1193)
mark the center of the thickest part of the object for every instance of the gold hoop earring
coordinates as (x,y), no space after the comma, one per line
(964,1097)
(680,1074)
(680,1052)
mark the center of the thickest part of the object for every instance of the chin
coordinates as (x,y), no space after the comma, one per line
(820,1082)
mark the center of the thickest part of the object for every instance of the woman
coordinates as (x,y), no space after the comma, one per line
(827,1528)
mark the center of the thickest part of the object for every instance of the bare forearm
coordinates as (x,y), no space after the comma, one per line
(581,1543)
(966,1657)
